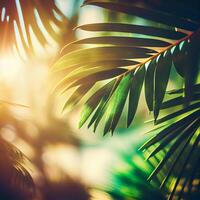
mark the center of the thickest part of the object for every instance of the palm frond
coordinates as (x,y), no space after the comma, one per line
(144,58)
(179,138)
(21,20)
(147,11)
(16,182)
(130,62)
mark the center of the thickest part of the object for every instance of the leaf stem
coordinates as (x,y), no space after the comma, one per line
(164,49)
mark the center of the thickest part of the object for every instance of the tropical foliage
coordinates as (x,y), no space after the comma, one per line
(145,57)
(129,180)
(12,163)
(20,20)
(114,67)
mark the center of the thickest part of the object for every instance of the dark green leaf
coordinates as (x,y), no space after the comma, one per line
(181,132)
(133,28)
(162,73)
(178,158)
(149,84)
(170,129)
(178,113)
(123,41)
(135,90)
(180,59)
(178,101)
(196,88)
(181,171)
(184,135)
(146,13)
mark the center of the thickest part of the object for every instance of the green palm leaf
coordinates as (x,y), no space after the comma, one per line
(173,40)
(120,57)
(177,139)
(145,12)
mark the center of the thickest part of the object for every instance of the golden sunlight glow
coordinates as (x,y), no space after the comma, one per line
(10,66)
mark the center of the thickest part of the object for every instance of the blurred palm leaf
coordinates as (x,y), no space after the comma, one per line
(16,182)
(129,180)
(145,58)
(20,20)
